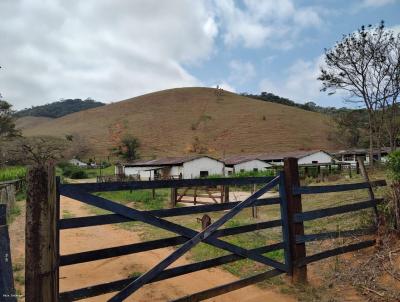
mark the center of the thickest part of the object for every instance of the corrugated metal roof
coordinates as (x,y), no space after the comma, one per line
(282,155)
(166,161)
(359,151)
(237,159)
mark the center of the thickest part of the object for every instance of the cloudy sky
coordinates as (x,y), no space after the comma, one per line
(113,50)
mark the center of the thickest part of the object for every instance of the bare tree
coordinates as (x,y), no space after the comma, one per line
(38,150)
(78,146)
(359,65)
(390,104)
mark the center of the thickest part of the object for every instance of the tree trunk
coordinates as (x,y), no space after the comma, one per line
(371,147)
(396,204)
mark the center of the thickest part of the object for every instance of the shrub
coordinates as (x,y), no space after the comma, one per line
(12,173)
(79,174)
(393,165)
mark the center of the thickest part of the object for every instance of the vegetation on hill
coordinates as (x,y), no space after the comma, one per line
(60,108)
(309,106)
(163,124)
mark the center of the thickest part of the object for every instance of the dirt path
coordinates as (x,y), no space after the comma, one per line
(91,238)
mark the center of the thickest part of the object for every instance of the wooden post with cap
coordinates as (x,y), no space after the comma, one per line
(294,206)
(41,263)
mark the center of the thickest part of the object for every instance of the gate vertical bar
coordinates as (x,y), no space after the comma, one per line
(297,250)
(285,222)
(58,213)
(7,289)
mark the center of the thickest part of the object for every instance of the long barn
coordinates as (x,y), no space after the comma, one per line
(186,167)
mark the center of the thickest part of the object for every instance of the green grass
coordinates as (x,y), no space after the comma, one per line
(12,173)
(18,271)
(93,173)
(67,214)
(140,199)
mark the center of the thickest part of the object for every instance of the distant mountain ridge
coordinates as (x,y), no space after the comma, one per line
(59,109)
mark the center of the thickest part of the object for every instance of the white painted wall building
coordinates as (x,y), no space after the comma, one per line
(304,157)
(202,166)
(174,167)
(77,162)
(320,157)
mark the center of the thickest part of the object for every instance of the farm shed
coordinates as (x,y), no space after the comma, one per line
(77,162)
(173,167)
(304,157)
(242,163)
(350,155)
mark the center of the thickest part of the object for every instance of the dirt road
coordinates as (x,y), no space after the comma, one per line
(91,238)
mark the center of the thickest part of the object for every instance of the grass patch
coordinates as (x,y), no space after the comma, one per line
(67,214)
(12,173)
(15,211)
(139,199)
(18,272)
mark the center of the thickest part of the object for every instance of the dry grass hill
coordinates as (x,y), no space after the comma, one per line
(192,120)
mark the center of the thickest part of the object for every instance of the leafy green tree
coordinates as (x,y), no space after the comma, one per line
(7,124)
(128,148)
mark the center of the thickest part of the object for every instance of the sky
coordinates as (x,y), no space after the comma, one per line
(114,50)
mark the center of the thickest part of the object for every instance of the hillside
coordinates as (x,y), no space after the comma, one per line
(184,120)
(59,109)
(27,122)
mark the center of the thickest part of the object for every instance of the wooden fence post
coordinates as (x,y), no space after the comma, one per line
(174,193)
(7,290)
(41,278)
(294,206)
(254,210)
(226,193)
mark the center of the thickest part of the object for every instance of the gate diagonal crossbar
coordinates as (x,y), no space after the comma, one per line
(188,238)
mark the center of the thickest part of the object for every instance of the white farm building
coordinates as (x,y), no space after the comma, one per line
(186,167)
(244,163)
(304,157)
(77,162)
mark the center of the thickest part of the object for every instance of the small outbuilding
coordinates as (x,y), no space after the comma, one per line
(244,163)
(304,157)
(350,155)
(77,162)
(185,167)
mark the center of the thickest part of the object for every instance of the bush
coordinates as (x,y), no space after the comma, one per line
(393,165)
(263,173)
(71,171)
(12,173)
(79,174)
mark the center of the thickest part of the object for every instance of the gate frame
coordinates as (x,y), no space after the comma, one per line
(294,238)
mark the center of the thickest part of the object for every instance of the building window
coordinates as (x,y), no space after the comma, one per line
(349,157)
(314,161)
(203,173)
(255,169)
(229,172)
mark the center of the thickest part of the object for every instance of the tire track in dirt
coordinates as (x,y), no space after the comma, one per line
(96,272)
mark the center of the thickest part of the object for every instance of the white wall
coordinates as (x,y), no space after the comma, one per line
(317,157)
(77,163)
(176,170)
(251,165)
(141,171)
(191,169)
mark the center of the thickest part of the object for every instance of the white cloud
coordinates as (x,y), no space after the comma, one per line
(241,72)
(376,3)
(300,83)
(259,22)
(107,50)
(226,86)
